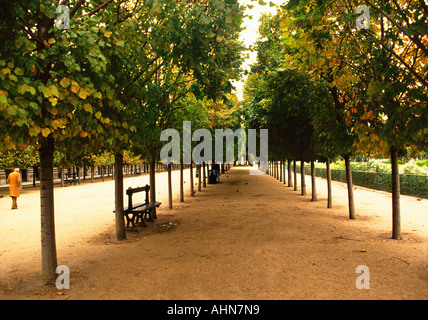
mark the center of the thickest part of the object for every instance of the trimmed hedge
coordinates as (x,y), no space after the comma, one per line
(412,185)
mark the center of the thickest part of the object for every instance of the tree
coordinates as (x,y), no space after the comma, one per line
(375,76)
(56,91)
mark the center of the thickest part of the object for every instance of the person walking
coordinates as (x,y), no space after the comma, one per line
(14,182)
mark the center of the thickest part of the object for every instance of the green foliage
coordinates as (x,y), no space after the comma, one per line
(19,158)
(411,184)
(115,79)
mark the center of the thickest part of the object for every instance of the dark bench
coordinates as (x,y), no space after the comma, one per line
(136,213)
(70,178)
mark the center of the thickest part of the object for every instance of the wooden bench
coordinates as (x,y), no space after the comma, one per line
(70,178)
(136,213)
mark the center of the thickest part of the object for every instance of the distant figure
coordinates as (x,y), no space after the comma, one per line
(213,174)
(14,182)
(217,171)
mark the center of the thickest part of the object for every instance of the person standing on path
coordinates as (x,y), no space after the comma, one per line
(14,182)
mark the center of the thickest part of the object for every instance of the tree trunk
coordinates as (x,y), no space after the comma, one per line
(169,185)
(199,177)
(395,184)
(192,191)
(290,179)
(118,196)
(350,187)
(295,175)
(275,169)
(34,175)
(153,180)
(181,180)
(62,176)
(204,183)
(313,182)
(281,170)
(283,173)
(92,174)
(302,177)
(329,195)
(47,211)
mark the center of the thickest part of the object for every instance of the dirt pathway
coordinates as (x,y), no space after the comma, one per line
(249,237)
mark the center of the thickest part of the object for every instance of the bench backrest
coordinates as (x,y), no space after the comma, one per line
(130,191)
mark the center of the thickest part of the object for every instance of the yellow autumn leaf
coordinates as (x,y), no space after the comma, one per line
(88,107)
(65,82)
(34,131)
(46,132)
(83,94)
(75,88)
(56,124)
(53,101)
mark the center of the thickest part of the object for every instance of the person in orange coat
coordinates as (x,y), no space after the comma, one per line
(14,181)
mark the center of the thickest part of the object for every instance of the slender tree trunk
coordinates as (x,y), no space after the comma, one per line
(204,183)
(118,196)
(47,212)
(329,194)
(295,175)
(350,187)
(281,170)
(273,170)
(34,175)
(169,168)
(153,180)
(395,184)
(92,174)
(46,153)
(313,182)
(62,176)
(192,188)
(181,180)
(302,177)
(290,179)
(199,178)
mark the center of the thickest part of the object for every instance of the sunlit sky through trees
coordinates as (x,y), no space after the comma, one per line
(250,34)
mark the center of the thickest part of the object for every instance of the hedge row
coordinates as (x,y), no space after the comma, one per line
(412,185)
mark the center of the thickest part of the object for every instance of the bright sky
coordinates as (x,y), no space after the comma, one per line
(250,35)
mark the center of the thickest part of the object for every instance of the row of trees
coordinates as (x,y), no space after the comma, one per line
(29,157)
(121,72)
(326,89)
